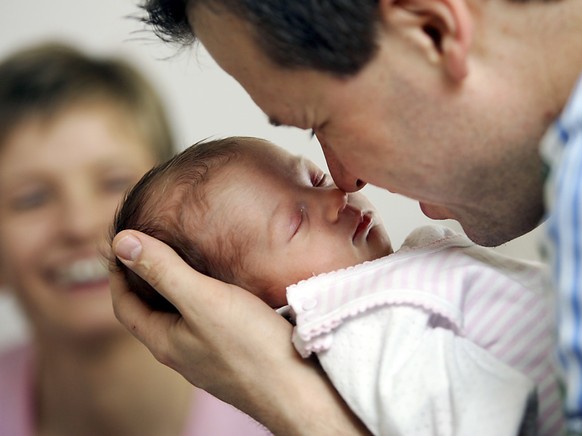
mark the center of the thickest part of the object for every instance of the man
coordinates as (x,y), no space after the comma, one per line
(444,101)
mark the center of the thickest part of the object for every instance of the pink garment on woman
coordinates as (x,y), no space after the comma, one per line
(208,415)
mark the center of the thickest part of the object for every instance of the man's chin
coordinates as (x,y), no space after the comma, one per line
(488,229)
(473,230)
(435,212)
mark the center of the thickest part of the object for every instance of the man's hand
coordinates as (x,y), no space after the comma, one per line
(227,342)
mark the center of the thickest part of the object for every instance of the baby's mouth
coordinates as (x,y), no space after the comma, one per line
(363,226)
(83,272)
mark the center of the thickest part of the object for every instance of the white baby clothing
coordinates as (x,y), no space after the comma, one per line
(442,337)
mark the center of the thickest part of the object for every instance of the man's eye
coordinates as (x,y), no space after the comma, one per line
(275,122)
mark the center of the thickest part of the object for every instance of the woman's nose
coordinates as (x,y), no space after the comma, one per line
(344,180)
(82,217)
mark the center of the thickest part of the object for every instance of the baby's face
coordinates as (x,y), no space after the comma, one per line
(298,223)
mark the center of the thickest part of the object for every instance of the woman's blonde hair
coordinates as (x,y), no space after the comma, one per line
(42,80)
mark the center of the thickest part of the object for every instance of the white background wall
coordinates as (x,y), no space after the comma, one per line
(202,101)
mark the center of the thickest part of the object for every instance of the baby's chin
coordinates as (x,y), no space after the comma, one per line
(380,241)
(275,296)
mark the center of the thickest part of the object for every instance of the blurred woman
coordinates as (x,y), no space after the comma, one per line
(75,133)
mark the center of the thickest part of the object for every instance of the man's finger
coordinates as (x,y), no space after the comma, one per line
(162,268)
(147,325)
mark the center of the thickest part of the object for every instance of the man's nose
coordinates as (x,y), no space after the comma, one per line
(344,180)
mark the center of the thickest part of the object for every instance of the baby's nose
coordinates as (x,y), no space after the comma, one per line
(335,203)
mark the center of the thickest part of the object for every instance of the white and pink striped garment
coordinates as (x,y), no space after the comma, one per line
(501,305)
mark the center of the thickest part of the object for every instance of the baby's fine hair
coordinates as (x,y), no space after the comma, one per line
(167,204)
(42,80)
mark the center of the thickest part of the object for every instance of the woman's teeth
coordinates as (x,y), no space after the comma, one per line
(83,272)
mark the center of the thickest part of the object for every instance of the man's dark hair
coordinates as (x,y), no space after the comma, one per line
(334,36)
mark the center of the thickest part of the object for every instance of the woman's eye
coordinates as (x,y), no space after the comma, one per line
(29,201)
(118,184)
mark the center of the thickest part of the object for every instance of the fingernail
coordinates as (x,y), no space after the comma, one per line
(128,248)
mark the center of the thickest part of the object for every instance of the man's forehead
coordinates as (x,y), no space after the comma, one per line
(209,24)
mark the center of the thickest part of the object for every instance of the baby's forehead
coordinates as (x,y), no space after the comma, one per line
(264,154)
(260,147)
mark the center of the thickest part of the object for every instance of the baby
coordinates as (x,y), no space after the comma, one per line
(441,337)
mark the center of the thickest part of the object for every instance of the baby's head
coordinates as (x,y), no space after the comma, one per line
(171,203)
(247,212)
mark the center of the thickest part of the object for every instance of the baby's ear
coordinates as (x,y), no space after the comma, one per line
(442,29)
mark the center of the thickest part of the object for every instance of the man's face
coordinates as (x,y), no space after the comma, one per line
(288,220)
(464,152)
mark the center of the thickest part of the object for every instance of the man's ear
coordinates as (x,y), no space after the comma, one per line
(442,29)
